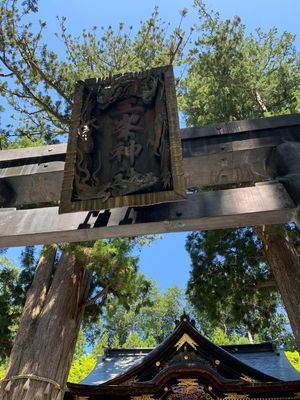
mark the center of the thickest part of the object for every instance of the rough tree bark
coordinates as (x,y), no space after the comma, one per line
(281,254)
(283,259)
(49,326)
(250,337)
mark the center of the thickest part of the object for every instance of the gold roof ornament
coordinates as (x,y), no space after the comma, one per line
(185,338)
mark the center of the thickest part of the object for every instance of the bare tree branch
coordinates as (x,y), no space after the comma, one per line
(6,75)
(103,293)
(29,59)
(265,284)
(26,88)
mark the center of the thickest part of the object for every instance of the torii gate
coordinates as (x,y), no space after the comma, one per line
(263,153)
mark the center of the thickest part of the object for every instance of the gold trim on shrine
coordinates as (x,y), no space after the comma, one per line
(186,339)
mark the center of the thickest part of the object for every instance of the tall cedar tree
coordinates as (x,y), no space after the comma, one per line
(67,282)
(235,76)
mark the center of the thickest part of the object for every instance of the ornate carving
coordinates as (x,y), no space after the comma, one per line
(130,381)
(124,148)
(186,339)
(248,379)
(188,382)
(189,389)
(143,397)
(126,99)
(86,176)
(235,396)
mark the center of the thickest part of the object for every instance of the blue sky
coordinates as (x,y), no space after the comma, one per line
(263,13)
(166,260)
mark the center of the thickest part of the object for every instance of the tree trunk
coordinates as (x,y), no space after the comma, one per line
(49,326)
(283,259)
(249,336)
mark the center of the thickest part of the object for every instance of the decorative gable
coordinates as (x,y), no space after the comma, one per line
(186,339)
(188,366)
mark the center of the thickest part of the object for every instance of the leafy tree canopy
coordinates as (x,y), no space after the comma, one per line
(9,310)
(233,75)
(231,285)
(114,277)
(150,318)
(38,83)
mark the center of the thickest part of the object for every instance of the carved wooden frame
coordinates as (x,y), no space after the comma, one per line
(177,192)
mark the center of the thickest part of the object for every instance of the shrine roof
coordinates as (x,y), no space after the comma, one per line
(187,361)
(272,362)
(263,357)
(114,363)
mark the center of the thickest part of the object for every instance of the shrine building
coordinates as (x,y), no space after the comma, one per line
(188,366)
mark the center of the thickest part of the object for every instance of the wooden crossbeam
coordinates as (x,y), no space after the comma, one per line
(217,154)
(262,204)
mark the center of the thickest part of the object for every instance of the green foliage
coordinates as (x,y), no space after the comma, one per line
(2,370)
(219,337)
(80,347)
(81,368)
(38,83)
(83,365)
(134,340)
(10,310)
(231,285)
(14,283)
(115,276)
(230,76)
(150,316)
(147,322)
(158,320)
(25,142)
(4,135)
(233,76)
(25,277)
(102,343)
(294,359)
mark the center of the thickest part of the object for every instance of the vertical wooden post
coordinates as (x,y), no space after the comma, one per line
(282,256)
(284,164)
(284,262)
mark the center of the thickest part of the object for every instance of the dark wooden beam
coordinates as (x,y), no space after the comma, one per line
(225,153)
(247,125)
(235,155)
(262,204)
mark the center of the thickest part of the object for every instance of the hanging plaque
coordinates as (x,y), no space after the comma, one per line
(124,147)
